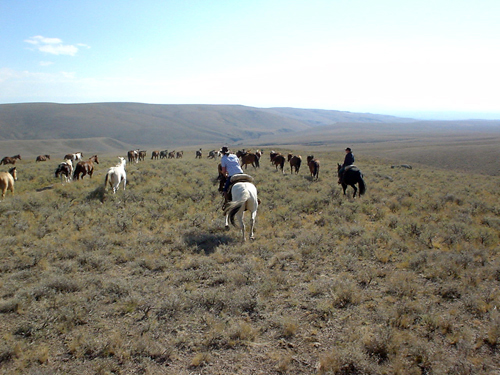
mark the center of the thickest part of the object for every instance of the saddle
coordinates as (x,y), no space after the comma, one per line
(347,168)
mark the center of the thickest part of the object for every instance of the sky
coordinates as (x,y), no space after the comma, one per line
(422,58)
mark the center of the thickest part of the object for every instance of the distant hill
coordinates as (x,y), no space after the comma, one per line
(164,125)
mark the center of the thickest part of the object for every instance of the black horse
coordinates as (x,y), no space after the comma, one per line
(350,177)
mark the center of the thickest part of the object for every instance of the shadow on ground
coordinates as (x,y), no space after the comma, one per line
(207,242)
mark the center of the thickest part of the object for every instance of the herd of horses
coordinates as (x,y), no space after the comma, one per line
(243,190)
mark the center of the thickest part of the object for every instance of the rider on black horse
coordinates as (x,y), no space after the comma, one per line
(348,160)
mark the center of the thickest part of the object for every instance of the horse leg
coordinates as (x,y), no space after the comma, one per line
(227,222)
(355,190)
(344,187)
(252,224)
(242,224)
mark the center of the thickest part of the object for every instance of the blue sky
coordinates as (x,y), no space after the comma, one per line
(380,56)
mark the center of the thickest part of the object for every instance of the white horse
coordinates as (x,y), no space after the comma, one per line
(244,198)
(115,175)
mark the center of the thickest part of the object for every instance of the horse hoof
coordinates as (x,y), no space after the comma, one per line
(227,227)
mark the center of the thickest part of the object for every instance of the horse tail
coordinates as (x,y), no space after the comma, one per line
(362,185)
(232,209)
(106,180)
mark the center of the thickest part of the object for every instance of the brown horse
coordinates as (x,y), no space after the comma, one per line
(179,154)
(7,181)
(42,158)
(155,154)
(133,156)
(295,162)
(85,167)
(8,160)
(248,158)
(279,161)
(142,155)
(313,167)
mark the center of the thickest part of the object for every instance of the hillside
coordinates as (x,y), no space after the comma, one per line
(162,125)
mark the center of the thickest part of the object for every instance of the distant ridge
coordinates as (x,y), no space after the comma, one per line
(164,125)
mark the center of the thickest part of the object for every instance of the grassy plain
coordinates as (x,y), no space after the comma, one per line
(404,280)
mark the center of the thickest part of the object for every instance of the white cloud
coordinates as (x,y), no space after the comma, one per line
(54,46)
(46,63)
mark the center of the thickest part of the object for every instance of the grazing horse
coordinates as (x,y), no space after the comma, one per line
(133,156)
(7,181)
(8,160)
(313,166)
(85,167)
(155,154)
(295,162)
(244,195)
(351,176)
(279,161)
(65,170)
(198,154)
(42,158)
(115,175)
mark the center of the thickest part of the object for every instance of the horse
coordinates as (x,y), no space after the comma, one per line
(73,157)
(171,154)
(115,175)
(133,156)
(244,195)
(295,162)
(42,158)
(163,154)
(198,154)
(313,166)
(248,158)
(351,176)
(7,181)
(279,161)
(17,157)
(272,155)
(142,155)
(8,160)
(155,154)
(179,154)
(85,167)
(212,154)
(65,170)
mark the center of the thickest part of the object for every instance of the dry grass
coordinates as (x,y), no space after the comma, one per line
(404,280)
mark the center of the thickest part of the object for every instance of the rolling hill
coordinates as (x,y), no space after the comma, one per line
(163,125)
